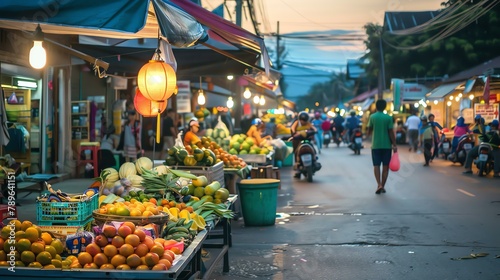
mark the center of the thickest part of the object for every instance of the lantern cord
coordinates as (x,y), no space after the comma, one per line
(200,85)
(97,70)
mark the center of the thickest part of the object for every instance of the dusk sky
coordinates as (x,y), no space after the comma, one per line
(312,61)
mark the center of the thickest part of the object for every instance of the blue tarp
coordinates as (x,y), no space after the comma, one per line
(113,15)
(108,18)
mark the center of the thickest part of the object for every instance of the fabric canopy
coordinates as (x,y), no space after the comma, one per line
(226,31)
(112,19)
(180,22)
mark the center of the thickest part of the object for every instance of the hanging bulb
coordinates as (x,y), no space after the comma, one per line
(256,99)
(230,102)
(38,56)
(247,94)
(262,100)
(201,97)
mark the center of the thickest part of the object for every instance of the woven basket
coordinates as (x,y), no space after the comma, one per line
(101,219)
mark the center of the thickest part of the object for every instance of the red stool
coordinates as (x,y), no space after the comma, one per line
(93,147)
(5,213)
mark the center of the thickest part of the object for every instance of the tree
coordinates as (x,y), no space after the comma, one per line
(420,54)
(331,93)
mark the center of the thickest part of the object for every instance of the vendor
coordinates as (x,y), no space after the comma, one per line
(256,130)
(191,138)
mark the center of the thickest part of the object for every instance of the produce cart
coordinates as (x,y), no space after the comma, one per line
(186,266)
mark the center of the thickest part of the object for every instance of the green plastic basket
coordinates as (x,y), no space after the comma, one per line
(66,213)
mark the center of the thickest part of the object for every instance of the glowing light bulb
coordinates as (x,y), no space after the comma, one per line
(38,56)
(201,98)
(230,102)
(247,94)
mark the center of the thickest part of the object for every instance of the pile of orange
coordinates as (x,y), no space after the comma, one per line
(33,248)
(133,208)
(130,248)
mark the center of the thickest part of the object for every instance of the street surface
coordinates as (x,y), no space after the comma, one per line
(426,226)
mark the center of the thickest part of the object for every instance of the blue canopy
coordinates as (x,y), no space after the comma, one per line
(110,18)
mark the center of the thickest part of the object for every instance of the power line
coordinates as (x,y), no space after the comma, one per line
(456,25)
(304,17)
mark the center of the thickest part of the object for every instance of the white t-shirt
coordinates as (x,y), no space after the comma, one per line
(413,122)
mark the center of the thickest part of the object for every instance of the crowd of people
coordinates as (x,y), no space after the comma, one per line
(422,132)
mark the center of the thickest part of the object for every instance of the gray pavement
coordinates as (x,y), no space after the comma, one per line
(338,228)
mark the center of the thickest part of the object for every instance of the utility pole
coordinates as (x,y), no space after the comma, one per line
(239,8)
(238,104)
(381,85)
(278,66)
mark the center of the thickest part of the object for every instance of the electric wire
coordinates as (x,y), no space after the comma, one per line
(304,17)
(440,18)
(451,29)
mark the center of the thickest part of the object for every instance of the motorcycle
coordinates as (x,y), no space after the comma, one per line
(326,138)
(444,146)
(465,144)
(356,141)
(485,161)
(305,156)
(337,136)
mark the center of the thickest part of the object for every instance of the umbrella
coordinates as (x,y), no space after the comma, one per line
(4,133)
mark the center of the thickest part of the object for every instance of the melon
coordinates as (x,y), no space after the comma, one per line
(127,169)
(143,162)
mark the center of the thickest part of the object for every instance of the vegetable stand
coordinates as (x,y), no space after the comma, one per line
(189,265)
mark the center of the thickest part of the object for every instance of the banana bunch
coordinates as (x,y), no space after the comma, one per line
(197,222)
(179,231)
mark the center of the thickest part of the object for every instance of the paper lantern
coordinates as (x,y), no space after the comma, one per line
(157,80)
(149,108)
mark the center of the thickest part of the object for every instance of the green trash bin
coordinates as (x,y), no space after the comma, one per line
(259,199)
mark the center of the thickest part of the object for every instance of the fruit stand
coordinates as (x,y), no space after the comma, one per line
(151,221)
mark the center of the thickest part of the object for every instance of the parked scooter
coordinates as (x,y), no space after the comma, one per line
(465,144)
(444,146)
(485,162)
(305,157)
(356,141)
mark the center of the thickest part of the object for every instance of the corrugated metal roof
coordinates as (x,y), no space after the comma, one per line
(443,90)
(491,66)
(403,20)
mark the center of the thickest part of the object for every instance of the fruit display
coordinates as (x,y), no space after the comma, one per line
(30,247)
(280,119)
(220,136)
(240,144)
(190,156)
(124,246)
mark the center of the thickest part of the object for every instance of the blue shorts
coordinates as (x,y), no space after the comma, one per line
(381,156)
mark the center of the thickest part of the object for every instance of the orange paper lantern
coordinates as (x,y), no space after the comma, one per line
(156,80)
(148,108)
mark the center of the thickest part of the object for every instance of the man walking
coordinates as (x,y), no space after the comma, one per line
(413,123)
(426,139)
(436,129)
(380,126)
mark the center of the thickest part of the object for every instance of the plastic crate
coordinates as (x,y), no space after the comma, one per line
(213,173)
(66,213)
(70,229)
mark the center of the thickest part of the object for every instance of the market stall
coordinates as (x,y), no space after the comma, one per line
(153,219)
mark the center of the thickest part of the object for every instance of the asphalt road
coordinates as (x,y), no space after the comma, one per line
(426,226)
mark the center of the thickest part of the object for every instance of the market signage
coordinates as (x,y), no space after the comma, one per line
(183,96)
(397,89)
(488,111)
(24,83)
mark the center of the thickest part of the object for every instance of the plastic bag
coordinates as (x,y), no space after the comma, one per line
(12,99)
(221,125)
(394,164)
(179,142)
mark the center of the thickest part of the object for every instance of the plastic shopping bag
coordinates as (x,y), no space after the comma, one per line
(394,164)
